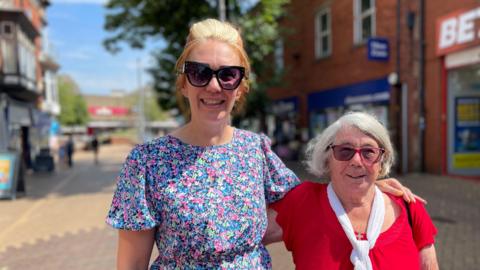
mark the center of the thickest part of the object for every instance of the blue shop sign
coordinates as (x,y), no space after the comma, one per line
(378,49)
(285,106)
(374,91)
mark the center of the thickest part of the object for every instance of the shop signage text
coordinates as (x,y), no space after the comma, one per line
(457,31)
(378,49)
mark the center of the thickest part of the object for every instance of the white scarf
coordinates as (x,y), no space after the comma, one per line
(361,248)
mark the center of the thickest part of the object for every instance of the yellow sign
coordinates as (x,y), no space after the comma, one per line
(466,161)
(4,170)
(468,112)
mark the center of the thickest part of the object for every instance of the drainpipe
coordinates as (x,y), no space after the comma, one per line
(399,86)
(421,82)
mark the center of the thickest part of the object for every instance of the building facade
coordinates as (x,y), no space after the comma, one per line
(28,92)
(453,78)
(381,56)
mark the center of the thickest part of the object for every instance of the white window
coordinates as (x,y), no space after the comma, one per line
(364,20)
(26,55)
(323,33)
(6,4)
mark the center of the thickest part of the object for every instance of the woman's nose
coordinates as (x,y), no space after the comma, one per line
(213,85)
(356,159)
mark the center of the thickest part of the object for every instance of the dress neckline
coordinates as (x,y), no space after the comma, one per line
(227,144)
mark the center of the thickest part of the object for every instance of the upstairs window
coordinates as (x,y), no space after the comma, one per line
(364,20)
(323,34)
(278,53)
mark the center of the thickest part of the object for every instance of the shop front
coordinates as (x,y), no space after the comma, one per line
(459,47)
(326,106)
(283,129)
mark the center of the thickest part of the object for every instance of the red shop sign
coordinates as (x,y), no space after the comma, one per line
(458,30)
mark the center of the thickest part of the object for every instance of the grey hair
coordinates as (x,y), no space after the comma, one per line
(317,153)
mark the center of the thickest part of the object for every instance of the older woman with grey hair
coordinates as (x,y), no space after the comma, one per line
(349,223)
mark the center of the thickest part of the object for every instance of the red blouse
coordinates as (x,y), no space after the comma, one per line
(312,233)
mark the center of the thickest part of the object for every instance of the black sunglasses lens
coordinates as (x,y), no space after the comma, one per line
(229,77)
(198,75)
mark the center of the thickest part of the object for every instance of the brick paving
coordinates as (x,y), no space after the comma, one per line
(59,223)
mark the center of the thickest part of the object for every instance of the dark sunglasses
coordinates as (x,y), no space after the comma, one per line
(369,155)
(200,74)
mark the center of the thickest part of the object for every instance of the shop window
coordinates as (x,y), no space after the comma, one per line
(364,20)
(323,36)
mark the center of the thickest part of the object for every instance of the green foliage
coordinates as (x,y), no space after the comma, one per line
(152,110)
(135,21)
(73,106)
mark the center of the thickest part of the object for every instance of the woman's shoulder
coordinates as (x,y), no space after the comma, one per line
(243,136)
(155,147)
(247,133)
(308,188)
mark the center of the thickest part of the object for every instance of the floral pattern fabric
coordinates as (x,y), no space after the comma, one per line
(207,204)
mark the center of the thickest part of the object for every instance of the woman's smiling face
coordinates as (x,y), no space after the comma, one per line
(354,174)
(211,103)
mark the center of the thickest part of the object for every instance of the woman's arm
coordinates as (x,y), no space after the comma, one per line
(274,231)
(134,249)
(428,258)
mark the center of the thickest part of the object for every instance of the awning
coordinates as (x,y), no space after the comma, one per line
(374,91)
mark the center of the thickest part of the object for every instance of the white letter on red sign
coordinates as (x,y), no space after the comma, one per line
(448,33)
(466,27)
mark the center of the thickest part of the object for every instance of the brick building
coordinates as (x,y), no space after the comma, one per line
(28,91)
(368,55)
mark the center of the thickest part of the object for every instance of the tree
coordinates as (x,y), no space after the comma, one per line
(135,21)
(73,106)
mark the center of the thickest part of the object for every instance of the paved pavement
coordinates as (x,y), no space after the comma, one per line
(59,224)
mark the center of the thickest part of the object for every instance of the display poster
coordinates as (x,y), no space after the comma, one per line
(8,174)
(467,133)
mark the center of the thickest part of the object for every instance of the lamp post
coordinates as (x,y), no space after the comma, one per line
(221,10)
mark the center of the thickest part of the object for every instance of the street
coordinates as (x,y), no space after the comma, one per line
(59,224)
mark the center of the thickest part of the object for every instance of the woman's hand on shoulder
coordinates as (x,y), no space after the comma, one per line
(394,187)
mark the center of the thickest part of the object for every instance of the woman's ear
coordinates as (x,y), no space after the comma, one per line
(239,94)
(183,91)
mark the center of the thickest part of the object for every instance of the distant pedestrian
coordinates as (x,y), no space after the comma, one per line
(95,148)
(70,148)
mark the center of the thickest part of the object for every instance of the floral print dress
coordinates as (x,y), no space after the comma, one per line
(207,204)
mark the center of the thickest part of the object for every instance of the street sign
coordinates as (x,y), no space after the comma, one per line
(378,49)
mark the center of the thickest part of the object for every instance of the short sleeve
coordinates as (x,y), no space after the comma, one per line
(278,179)
(130,208)
(424,230)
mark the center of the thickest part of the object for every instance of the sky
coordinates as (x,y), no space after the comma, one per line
(75,33)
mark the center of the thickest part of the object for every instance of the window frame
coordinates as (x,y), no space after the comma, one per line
(358,21)
(278,54)
(320,34)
